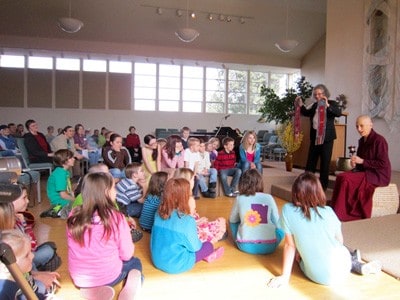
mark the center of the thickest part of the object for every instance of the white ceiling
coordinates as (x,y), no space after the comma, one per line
(136,22)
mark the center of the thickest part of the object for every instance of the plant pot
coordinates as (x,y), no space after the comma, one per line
(289,162)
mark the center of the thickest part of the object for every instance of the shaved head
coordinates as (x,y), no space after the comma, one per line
(364,125)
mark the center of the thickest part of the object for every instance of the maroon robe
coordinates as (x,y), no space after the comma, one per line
(352,195)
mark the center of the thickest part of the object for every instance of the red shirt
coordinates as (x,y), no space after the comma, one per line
(132,141)
(42,142)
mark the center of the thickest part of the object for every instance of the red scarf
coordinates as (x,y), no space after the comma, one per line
(321,114)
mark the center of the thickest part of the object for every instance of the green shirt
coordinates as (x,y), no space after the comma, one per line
(58,181)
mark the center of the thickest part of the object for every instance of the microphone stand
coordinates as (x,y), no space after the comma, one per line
(221,123)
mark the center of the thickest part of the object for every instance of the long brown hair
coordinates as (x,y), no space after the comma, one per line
(176,196)
(96,200)
(157,183)
(171,144)
(307,193)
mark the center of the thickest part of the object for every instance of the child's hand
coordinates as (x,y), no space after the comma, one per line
(131,222)
(48,278)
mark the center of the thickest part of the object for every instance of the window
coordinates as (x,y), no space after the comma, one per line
(120,67)
(169,87)
(94,65)
(215,90)
(35,62)
(145,81)
(192,89)
(257,79)
(68,64)
(279,82)
(12,61)
(237,92)
(107,83)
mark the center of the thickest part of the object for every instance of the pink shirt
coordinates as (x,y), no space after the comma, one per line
(100,261)
(250,156)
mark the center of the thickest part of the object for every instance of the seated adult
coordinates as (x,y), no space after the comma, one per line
(352,195)
(83,143)
(38,148)
(8,144)
(65,140)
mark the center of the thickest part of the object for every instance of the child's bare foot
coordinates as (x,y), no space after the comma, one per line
(132,286)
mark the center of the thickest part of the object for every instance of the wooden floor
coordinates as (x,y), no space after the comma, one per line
(236,275)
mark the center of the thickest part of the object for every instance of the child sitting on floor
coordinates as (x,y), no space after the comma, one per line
(254,217)
(174,245)
(59,188)
(21,247)
(131,190)
(152,199)
(45,256)
(100,248)
(313,237)
(211,231)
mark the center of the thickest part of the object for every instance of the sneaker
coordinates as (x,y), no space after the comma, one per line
(356,255)
(236,192)
(215,255)
(231,195)
(136,235)
(51,212)
(98,292)
(372,267)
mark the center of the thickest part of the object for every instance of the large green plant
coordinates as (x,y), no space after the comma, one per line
(281,110)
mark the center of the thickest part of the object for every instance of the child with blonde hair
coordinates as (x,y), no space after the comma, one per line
(21,247)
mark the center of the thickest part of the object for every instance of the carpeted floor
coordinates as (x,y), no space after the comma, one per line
(377,238)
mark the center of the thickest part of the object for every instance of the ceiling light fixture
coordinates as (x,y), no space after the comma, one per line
(69,24)
(286,45)
(210,17)
(187,34)
(159,11)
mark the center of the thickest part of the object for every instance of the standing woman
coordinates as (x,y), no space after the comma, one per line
(322,113)
(116,157)
(151,155)
(250,152)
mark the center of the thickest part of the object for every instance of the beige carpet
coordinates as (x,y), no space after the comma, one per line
(377,238)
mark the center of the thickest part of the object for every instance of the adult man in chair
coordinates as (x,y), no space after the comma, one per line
(352,195)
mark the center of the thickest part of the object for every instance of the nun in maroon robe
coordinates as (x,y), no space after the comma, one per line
(352,195)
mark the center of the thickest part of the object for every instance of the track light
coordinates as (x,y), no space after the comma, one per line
(159,11)
(210,17)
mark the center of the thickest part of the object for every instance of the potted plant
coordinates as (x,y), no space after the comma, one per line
(290,142)
(281,110)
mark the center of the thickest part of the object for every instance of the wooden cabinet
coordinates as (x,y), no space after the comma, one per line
(339,146)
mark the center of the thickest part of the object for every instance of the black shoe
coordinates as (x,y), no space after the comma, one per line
(212,186)
(136,235)
(224,237)
(208,194)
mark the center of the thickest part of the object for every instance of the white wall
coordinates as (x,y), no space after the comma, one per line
(343,68)
(120,120)
(313,64)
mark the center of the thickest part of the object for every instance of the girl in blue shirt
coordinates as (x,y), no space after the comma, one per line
(174,245)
